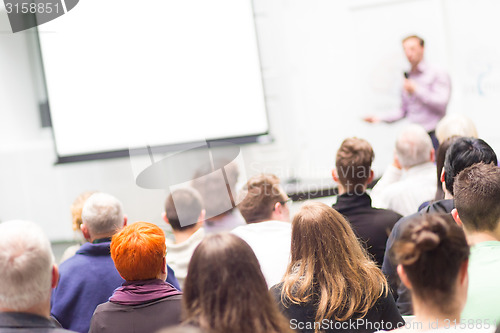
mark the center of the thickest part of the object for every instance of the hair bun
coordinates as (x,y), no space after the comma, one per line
(429,234)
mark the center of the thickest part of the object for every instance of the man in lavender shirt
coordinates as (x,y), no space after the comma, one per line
(426,91)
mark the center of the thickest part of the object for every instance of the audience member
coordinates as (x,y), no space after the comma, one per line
(27,274)
(225,290)
(265,209)
(76,218)
(90,277)
(462,153)
(331,282)
(477,201)
(410,180)
(432,257)
(218,190)
(455,125)
(145,301)
(353,173)
(185,214)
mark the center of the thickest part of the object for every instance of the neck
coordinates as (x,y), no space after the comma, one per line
(476,237)
(42,309)
(183,235)
(432,317)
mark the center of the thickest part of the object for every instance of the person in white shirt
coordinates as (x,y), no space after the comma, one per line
(411,179)
(185,214)
(264,206)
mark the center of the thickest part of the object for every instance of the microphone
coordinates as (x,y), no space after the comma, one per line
(406,75)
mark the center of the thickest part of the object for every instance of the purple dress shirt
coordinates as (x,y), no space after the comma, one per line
(427,105)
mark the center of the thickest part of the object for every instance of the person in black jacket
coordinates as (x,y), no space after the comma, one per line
(353,173)
(462,153)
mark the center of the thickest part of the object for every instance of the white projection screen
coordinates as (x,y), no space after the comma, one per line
(123,74)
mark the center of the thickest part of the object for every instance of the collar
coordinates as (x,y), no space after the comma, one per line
(24,320)
(420,169)
(421,67)
(101,240)
(99,249)
(348,201)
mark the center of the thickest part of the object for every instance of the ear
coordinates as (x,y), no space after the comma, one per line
(370,179)
(442,176)
(335,176)
(125,220)
(164,266)
(456,217)
(85,231)
(433,155)
(403,276)
(164,217)
(463,274)
(55,276)
(201,218)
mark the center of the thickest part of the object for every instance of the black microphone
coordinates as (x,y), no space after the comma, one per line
(406,75)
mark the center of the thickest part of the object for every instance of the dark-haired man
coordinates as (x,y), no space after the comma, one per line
(477,201)
(462,153)
(353,173)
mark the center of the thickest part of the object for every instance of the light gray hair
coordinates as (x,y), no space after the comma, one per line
(102,213)
(455,125)
(26,262)
(413,146)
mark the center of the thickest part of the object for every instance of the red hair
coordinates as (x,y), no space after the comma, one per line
(138,251)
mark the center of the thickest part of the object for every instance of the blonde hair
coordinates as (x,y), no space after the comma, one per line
(329,266)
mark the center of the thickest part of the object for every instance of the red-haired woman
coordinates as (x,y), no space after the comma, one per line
(145,302)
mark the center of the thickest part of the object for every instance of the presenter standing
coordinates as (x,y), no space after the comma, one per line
(426,91)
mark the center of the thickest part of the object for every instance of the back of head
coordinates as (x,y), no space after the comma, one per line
(138,251)
(216,191)
(77,207)
(353,163)
(463,153)
(102,214)
(413,146)
(477,197)
(258,197)
(431,250)
(225,290)
(340,271)
(455,125)
(183,208)
(26,263)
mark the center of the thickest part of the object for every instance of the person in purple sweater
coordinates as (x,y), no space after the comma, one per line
(90,277)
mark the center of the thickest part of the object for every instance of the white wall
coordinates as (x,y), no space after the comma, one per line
(325,65)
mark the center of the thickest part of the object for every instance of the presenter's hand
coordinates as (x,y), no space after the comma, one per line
(409,86)
(372,119)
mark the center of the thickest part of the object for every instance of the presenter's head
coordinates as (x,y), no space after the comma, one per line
(414,49)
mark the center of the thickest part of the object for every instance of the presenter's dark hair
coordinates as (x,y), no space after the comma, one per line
(225,290)
(420,40)
(463,153)
(431,250)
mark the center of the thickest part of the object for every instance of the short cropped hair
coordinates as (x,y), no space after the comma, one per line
(420,40)
(77,207)
(183,207)
(463,153)
(258,197)
(353,163)
(138,251)
(477,197)
(413,146)
(102,214)
(26,263)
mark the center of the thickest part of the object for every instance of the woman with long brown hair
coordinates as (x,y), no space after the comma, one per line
(225,291)
(331,284)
